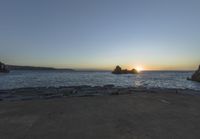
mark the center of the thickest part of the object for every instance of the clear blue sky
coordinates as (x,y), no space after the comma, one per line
(99,34)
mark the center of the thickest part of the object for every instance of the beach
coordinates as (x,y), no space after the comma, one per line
(99,69)
(132,113)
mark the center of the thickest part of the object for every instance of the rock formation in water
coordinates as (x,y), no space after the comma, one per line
(3,68)
(196,75)
(119,70)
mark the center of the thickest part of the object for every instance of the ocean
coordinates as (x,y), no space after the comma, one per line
(51,78)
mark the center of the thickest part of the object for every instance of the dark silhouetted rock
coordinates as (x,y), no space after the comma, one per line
(109,86)
(134,71)
(119,70)
(196,75)
(3,68)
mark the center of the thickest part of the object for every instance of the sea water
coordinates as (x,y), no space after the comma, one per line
(51,78)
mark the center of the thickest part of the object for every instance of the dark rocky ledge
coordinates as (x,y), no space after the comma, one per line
(119,70)
(3,68)
(196,75)
(80,91)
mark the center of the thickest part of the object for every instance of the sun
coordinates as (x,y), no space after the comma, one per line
(139,68)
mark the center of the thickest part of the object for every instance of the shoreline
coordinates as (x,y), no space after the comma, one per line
(144,115)
(33,93)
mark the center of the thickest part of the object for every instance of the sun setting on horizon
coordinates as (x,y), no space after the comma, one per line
(139,68)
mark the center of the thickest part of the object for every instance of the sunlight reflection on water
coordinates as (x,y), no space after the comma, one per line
(164,79)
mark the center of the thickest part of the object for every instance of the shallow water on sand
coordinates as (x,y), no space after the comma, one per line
(149,79)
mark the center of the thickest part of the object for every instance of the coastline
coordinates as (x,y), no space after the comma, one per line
(128,114)
(33,93)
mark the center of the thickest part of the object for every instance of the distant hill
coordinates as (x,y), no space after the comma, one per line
(14,67)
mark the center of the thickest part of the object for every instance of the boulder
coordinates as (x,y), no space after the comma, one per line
(119,70)
(3,68)
(196,75)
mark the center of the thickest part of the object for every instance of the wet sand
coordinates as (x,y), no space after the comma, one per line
(139,115)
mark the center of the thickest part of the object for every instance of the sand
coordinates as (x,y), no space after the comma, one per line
(130,116)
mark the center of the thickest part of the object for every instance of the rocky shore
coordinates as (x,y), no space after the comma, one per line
(99,113)
(3,68)
(196,75)
(80,91)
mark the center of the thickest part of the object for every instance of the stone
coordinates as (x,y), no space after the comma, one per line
(3,68)
(109,86)
(119,70)
(196,75)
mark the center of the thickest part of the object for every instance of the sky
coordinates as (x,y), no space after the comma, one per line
(100,34)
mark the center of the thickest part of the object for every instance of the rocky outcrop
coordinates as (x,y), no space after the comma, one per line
(32,93)
(3,68)
(119,70)
(196,75)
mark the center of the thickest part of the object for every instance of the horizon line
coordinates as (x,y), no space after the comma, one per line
(110,68)
(97,69)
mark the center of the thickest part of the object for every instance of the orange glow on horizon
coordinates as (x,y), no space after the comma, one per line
(139,68)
